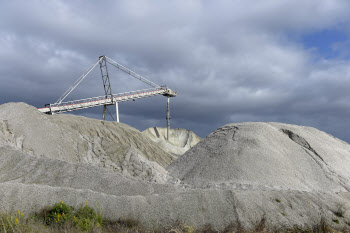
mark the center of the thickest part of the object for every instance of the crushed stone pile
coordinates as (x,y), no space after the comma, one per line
(194,207)
(70,138)
(19,167)
(240,174)
(267,156)
(180,140)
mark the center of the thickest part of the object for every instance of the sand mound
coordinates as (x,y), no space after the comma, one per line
(240,174)
(180,140)
(18,167)
(79,139)
(266,156)
(197,208)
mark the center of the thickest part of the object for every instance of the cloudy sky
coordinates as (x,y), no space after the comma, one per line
(230,61)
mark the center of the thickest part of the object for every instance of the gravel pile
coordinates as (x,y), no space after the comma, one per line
(267,156)
(240,174)
(180,140)
(77,139)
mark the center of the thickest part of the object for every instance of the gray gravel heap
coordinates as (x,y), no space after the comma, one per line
(267,156)
(240,174)
(70,138)
(19,167)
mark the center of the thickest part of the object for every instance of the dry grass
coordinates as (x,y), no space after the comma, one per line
(17,222)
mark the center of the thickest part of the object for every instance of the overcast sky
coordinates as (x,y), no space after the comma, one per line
(230,61)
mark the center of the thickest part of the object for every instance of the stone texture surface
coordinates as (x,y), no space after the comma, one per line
(19,167)
(70,138)
(197,207)
(241,173)
(267,156)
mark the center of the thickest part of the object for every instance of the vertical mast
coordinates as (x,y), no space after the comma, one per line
(106,83)
(168,118)
(117,111)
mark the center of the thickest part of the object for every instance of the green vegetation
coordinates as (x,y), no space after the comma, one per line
(57,218)
(86,218)
(10,222)
(64,218)
(336,221)
(58,214)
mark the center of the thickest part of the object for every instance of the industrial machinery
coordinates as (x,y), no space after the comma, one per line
(109,98)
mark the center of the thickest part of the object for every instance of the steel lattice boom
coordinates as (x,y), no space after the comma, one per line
(102,100)
(109,98)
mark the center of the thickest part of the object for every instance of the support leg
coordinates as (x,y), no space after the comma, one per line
(117,111)
(104,112)
(168,118)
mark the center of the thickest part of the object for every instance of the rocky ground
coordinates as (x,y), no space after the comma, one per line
(240,174)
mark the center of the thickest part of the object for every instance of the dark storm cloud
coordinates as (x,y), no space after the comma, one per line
(231,61)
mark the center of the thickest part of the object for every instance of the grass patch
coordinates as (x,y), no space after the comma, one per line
(11,222)
(57,218)
(64,218)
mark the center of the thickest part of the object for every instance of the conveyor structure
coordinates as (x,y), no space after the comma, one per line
(61,106)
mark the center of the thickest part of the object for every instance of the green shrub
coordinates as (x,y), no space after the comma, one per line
(59,214)
(63,216)
(83,224)
(86,218)
(85,212)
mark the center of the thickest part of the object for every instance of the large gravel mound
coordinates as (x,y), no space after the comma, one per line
(180,140)
(29,183)
(266,156)
(79,139)
(19,167)
(241,173)
(219,208)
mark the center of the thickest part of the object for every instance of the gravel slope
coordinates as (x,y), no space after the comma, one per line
(70,138)
(267,156)
(241,173)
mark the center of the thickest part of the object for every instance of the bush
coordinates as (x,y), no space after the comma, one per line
(59,214)
(85,212)
(85,218)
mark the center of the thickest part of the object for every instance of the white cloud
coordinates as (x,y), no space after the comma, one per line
(229,60)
